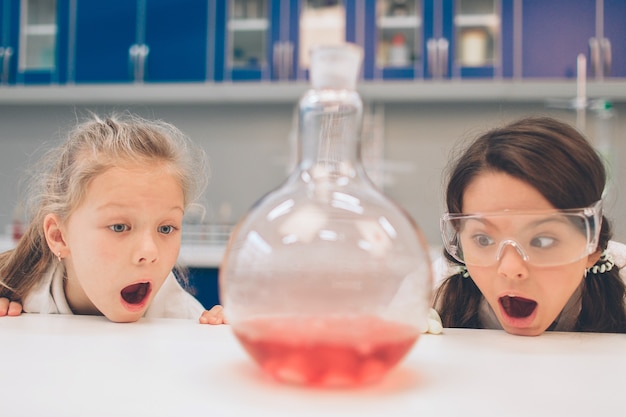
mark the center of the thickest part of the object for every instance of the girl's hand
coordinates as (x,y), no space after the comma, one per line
(10,308)
(213,316)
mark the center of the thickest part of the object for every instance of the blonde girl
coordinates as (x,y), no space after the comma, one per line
(106,213)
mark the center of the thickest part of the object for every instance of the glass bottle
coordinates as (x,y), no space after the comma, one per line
(326,282)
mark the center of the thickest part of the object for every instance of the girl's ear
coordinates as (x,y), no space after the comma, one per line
(593,258)
(54,235)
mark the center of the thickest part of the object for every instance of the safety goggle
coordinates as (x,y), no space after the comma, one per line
(541,238)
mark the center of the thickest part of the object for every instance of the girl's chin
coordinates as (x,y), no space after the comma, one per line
(124,317)
(523,332)
(528,326)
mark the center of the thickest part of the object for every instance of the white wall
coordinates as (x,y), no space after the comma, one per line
(249,149)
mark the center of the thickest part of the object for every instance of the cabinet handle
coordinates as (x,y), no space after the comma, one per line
(431,53)
(133,54)
(6,60)
(137,59)
(437,51)
(282,55)
(2,67)
(607,56)
(276,59)
(594,57)
(144,50)
(442,51)
(288,59)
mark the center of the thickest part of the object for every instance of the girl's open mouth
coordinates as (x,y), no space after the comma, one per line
(135,295)
(517,307)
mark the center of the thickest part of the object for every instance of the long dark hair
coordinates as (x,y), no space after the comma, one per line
(559,162)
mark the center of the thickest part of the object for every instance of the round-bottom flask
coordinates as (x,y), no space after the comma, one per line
(326,281)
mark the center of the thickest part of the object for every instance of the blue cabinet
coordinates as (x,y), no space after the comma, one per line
(614,31)
(420,39)
(269,40)
(177,35)
(103,37)
(168,41)
(33,41)
(204,285)
(437,39)
(247,34)
(396,39)
(555,32)
(141,40)
(9,34)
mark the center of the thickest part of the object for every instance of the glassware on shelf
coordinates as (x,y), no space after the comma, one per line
(477,28)
(38,35)
(326,281)
(399,33)
(398,51)
(248,27)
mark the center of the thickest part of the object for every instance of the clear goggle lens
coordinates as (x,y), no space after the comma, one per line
(541,238)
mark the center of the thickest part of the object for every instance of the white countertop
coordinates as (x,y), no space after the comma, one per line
(67,366)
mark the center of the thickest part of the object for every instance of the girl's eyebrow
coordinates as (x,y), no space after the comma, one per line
(116,205)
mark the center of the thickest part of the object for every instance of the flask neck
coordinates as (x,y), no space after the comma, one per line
(329,132)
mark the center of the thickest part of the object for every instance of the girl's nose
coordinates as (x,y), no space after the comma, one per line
(512,261)
(147,249)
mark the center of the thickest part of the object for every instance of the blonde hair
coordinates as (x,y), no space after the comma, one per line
(91,148)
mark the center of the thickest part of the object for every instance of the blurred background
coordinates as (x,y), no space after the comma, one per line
(436,73)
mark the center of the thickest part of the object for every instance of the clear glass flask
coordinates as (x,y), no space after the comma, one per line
(326,281)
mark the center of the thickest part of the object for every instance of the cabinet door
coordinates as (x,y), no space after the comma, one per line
(245,34)
(436,39)
(615,32)
(9,34)
(105,32)
(554,33)
(33,39)
(477,43)
(327,22)
(176,35)
(270,39)
(396,38)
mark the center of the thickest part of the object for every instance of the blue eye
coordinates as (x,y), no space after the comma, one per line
(166,230)
(118,228)
(542,242)
(483,240)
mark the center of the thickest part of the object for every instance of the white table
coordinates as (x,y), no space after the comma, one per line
(56,365)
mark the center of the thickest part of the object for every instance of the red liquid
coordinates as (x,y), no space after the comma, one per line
(327,351)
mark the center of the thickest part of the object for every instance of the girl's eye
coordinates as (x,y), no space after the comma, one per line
(118,228)
(166,230)
(483,240)
(542,242)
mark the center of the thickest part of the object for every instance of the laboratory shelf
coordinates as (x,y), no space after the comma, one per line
(422,91)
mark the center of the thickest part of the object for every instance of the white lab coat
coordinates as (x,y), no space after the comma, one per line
(172,301)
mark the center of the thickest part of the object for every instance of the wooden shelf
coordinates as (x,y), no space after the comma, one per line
(289,92)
